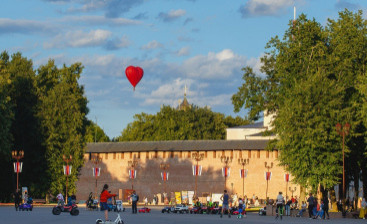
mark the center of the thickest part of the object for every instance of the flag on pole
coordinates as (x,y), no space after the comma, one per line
(96,171)
(196,170)
(267,175)
(164,175)
(132,174)
(243,173)
(18,167)
(226,171)
(286,177)
(67,170)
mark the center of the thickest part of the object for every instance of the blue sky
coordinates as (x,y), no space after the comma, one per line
(202,44)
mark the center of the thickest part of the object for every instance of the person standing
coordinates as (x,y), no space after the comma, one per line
(60,199)
(362,212)
(279,202)
(326,207)
(288,207)
(103,199)
(134,201)
(225,205)
(311,202)
(17,199)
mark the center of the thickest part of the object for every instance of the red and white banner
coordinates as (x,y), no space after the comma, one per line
(96,171)
(286,177)
(18,167)
(132,174)
(267,175)
(164,175)
(67,170)
(243,173)
(196,170)
(226,171)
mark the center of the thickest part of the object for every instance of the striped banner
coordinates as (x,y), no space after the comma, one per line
(132,174)
(96,171)
(243,173)
(196,170)
(267,175)
(164,175)
(286,177)
(226,171)
(67,170)
(18,167)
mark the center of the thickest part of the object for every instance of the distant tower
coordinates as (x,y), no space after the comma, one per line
(185,104)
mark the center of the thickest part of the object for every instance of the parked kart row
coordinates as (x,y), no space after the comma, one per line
(199,210)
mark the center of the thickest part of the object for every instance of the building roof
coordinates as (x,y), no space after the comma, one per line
(254,125)
(179,145)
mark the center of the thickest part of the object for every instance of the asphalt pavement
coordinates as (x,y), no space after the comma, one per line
(41,215)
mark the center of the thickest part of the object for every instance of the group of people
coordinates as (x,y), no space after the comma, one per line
(18,199)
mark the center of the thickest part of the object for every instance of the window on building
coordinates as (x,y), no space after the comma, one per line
(249,153)
(172,154)
(231,153)
(206,154)
(155,154)
(114,155)
(214,154)
(164,154)
(138,155)
(122,155)
(276,153)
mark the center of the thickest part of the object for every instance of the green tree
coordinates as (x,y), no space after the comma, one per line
(170,124)
(94,133)
(311,84)
(63,109)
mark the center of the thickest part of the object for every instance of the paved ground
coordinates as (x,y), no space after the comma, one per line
(43,215)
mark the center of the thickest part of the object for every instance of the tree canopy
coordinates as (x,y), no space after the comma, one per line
(194,123)
(313,78)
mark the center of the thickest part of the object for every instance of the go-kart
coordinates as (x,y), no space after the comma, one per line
(144,210)
(72,209)
(168,209)
(26,206)
(195,210)
(91,203)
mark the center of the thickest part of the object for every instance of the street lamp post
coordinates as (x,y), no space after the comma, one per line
(17,155)
(268,177)
(132,164)
(226,160)
(243,163)
(164,167)
(96,159)
(67,172)
(292,190)
(343,131)
(196,169)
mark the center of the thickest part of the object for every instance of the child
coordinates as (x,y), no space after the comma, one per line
(103,199)
(240,208)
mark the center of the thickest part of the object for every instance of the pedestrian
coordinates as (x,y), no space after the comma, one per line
(326,207)
(288,207)
(145,201)
(362,212)
(225,199)
(240,208)
(103,201)
(17,199)
(134,201)
(60,199)
(303,208)
(279,203)
(311,202)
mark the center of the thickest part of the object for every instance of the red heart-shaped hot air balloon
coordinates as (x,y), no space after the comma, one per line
(134,75)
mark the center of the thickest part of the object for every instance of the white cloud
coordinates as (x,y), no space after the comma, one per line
(79,39)
(100,20)
(264,7)
(171,15)
(183,51)
(152,45)
(26,26)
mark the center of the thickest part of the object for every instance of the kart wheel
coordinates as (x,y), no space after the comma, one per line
(56,211)
(74,212)
(162,211)
(99,221)
(120,222)
(30,209)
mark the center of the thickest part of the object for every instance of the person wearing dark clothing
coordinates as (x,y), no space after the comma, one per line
(134,200)
(311,202)
(17,199)
(326,207)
